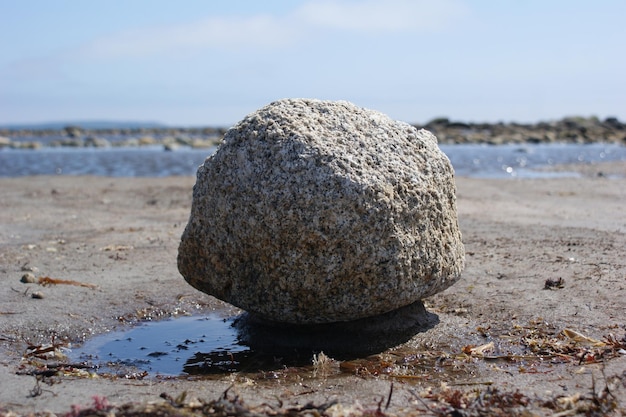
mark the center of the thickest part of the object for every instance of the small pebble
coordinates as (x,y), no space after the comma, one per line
(37,295)
(28,278)
(29,268)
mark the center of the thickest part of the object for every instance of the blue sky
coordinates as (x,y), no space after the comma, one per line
(202,62)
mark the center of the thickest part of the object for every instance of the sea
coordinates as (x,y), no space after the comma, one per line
(468,160)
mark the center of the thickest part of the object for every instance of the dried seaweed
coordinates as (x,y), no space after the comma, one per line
(226,405)
(487,402)
(46,281)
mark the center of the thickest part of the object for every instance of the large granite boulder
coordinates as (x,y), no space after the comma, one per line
(318,211)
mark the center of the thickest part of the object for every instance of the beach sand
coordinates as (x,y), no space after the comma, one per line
(121,235)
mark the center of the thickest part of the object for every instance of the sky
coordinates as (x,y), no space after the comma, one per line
(212,62)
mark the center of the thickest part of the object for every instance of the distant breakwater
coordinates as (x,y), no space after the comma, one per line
(578,130)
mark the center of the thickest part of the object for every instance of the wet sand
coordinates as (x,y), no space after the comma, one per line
(121,236)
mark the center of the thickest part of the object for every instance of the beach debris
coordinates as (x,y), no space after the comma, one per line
(323,365)
(229,404)
(553,284)
(478,350)
(118,251)
(38,295)
(320,211)
(48,351)
(28,278)
(529,349)
(601,402)
(581,338)
(117,248)
(47,281)
(28,268)
(488,402)
(100,407)
(572,346)
(439,401)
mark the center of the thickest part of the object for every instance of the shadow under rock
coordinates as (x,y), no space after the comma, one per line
(274,345)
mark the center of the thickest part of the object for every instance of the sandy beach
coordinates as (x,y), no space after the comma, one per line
(545,281)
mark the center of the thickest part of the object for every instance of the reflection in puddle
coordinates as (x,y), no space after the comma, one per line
(167,347)
(214,345)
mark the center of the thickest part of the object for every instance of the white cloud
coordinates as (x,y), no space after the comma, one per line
(212,32)
(271,32)
(383,16)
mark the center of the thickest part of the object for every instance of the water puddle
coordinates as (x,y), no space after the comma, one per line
(215,345)
(169,347)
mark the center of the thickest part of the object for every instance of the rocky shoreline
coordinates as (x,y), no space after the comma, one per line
(77,137)
(567,130)
(577,130)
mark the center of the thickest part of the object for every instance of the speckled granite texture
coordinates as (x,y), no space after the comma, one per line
(318,211)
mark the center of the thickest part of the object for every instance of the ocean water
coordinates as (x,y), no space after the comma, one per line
(527,160)
(481,161)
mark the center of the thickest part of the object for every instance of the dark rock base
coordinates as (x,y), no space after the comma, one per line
(341,340)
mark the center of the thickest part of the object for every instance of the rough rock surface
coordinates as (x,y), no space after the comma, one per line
(316,211)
